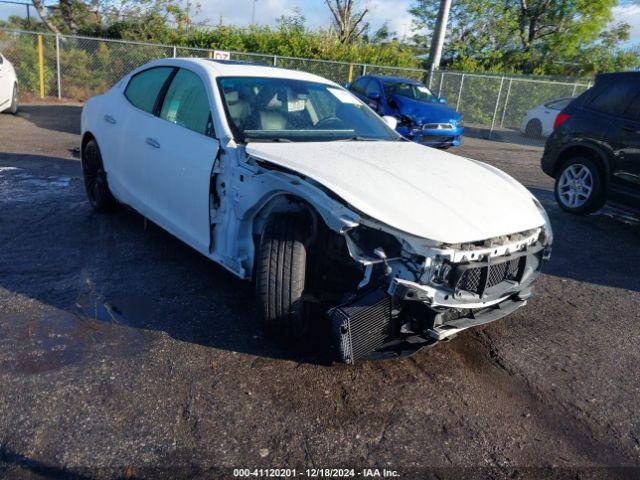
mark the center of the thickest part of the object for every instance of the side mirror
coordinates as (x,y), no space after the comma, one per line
(442,100)
(391,121)
(347,85)
(374,96)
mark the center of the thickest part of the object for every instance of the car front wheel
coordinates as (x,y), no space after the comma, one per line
(578,187)
(13,108)
(281,276)
(95,179)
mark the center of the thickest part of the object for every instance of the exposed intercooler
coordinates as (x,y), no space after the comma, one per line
(362,326)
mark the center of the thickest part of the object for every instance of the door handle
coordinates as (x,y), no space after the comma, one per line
(153,142)
(110,119)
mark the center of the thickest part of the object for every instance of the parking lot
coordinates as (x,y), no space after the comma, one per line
(125,353)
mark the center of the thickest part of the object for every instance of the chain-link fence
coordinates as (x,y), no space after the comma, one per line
(78,67)
(498,101)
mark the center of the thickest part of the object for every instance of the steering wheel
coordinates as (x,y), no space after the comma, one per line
(329,122)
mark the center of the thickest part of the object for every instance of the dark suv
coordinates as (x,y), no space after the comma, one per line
(594,150)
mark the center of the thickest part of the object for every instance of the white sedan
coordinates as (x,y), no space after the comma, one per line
(286,178)
(538,122)
(8,87)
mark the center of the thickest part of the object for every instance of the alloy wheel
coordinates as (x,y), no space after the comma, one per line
(575,185)
(93,175)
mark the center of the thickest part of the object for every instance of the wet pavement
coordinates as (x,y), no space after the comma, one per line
(124,353)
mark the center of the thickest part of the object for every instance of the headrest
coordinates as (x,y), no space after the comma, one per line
(232,96)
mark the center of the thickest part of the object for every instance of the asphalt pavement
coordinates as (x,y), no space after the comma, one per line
(124,353)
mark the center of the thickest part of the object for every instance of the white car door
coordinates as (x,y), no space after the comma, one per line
(127,120)
(6,83)
(179,157)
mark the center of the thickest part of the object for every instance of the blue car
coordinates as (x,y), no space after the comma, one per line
(422,116)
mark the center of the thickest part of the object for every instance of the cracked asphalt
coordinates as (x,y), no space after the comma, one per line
(125,354)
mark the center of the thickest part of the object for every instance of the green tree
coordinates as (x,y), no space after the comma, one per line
(529,36)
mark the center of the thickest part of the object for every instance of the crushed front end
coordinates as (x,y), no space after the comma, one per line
(433,134)
(413,295)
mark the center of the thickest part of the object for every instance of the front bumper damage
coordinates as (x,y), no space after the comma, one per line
(435,136)
(401,310)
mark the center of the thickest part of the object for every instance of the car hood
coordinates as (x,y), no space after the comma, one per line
(422,112)
(418,190)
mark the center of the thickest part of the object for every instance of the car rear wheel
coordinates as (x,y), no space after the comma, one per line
(95,179)
(533,128)
(578,187)
(281,276)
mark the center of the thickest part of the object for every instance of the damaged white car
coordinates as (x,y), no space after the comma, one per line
(287,179)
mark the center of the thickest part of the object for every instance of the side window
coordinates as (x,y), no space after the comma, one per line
(558,104)
(373,87)
(187,104)
(360,85)
(614,97)
(633,110)
(143,88)
(1,59)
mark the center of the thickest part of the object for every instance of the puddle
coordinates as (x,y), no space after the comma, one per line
(139,311)
(83,335)
(60,182)
(18,185)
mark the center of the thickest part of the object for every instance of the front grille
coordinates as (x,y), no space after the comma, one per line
(437,126)
(470,280)
(478,279)
(436,138)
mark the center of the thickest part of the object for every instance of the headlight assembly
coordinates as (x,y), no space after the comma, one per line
(369,240)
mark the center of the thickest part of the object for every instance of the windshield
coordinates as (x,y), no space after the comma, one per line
(410,90)
(263,109)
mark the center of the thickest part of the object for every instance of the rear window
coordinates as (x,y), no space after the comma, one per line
(613,97)
(359,85)
(143,88)
(558,104)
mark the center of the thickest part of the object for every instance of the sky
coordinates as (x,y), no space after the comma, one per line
(630,13)
(393,12)
(238,12)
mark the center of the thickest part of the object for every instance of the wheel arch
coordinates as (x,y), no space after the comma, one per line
(284,202)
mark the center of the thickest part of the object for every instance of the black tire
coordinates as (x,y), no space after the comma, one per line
(533,128)
(591,202)
(13,108)
(95,179)
(281,276)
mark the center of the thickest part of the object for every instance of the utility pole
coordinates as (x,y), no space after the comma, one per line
(438,34)
(188,19)
(253,12)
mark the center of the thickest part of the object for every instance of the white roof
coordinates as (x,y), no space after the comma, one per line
(232,69)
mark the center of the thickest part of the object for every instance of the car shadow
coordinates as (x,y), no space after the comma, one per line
(59,118)
(599,248)
(15,465)
(118,270)
(502,135)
